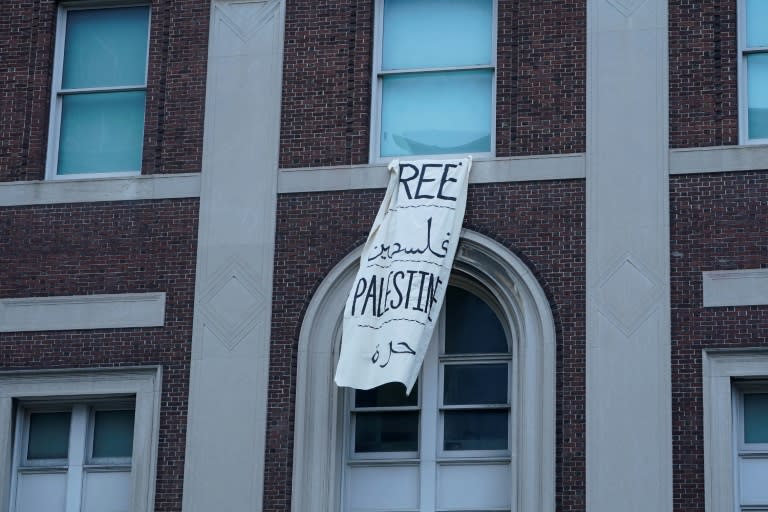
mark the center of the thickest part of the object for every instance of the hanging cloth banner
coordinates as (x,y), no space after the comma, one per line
(404,269)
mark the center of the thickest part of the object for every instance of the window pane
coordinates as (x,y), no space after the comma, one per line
(105,47)
(756,417)
(753,474)
(437,33)
(471,326)
(41,492)
(113,434)
(436,113)
(387,395)
(108,491)
(387,432)
(757,70)
(476,430)
(48,435)
(757,23)
(101,132)
(475,384)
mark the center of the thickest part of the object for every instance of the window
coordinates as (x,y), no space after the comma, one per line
(503,425)
(79,440)
(751,434)
(735,385)
(753,40)
(446,446)
(61,447)
(99,90)
(434,78)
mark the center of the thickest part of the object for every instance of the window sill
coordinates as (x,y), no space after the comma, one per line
(111,188)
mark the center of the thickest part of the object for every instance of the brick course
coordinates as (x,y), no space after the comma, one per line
(124,247)
(703,87)
(719,222)
(541,69)
(542,222)
(173,127)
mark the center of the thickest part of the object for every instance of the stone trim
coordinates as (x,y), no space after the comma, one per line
(143,382)
(107,311)
(317,463)
(535,168)
(719,367)
(133,188)
(748,287)
(718,159)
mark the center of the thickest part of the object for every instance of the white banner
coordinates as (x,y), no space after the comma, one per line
(398,292)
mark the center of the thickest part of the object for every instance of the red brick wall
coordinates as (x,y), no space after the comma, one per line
(703,88)
(542,222)
(719,222)
(74,249)
(540,97)
(173,129)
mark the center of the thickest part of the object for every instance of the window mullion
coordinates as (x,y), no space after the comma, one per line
(429,419)
(77,437)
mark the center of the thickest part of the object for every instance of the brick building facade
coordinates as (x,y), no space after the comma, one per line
(196,299)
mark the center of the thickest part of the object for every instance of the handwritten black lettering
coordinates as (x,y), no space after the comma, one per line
(386,252)
(405,181)
(445,179)
(423,179)
(403,348)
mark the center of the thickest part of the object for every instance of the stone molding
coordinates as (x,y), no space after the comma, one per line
(229,374)
(628,373)
(748,287)
(107,311)
(719,368)
(131,188)
(145,383)
(317,460)
(533,168)
(718,159)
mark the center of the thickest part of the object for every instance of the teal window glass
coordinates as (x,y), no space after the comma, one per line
(476,430)
(436,33)
(757,23)
(48,435)
(757,91)
(756,418)
(387,432)
(105,47)
(466,384)
(113,434)
(101,132)
(436,113)
(471,326)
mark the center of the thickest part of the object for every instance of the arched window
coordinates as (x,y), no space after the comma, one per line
(447,445)
(476,434)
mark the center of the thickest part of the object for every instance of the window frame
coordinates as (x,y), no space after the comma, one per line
(376,88)
(319,420)
(742,73)
(436,371)
(57,93)
(25,391)
(742,449)
(725,373)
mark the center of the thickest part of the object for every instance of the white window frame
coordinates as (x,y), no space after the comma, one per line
(724,373)
(319,425)
(54,122)
(742,73)
(142,384)
(431,407)
(376,88)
